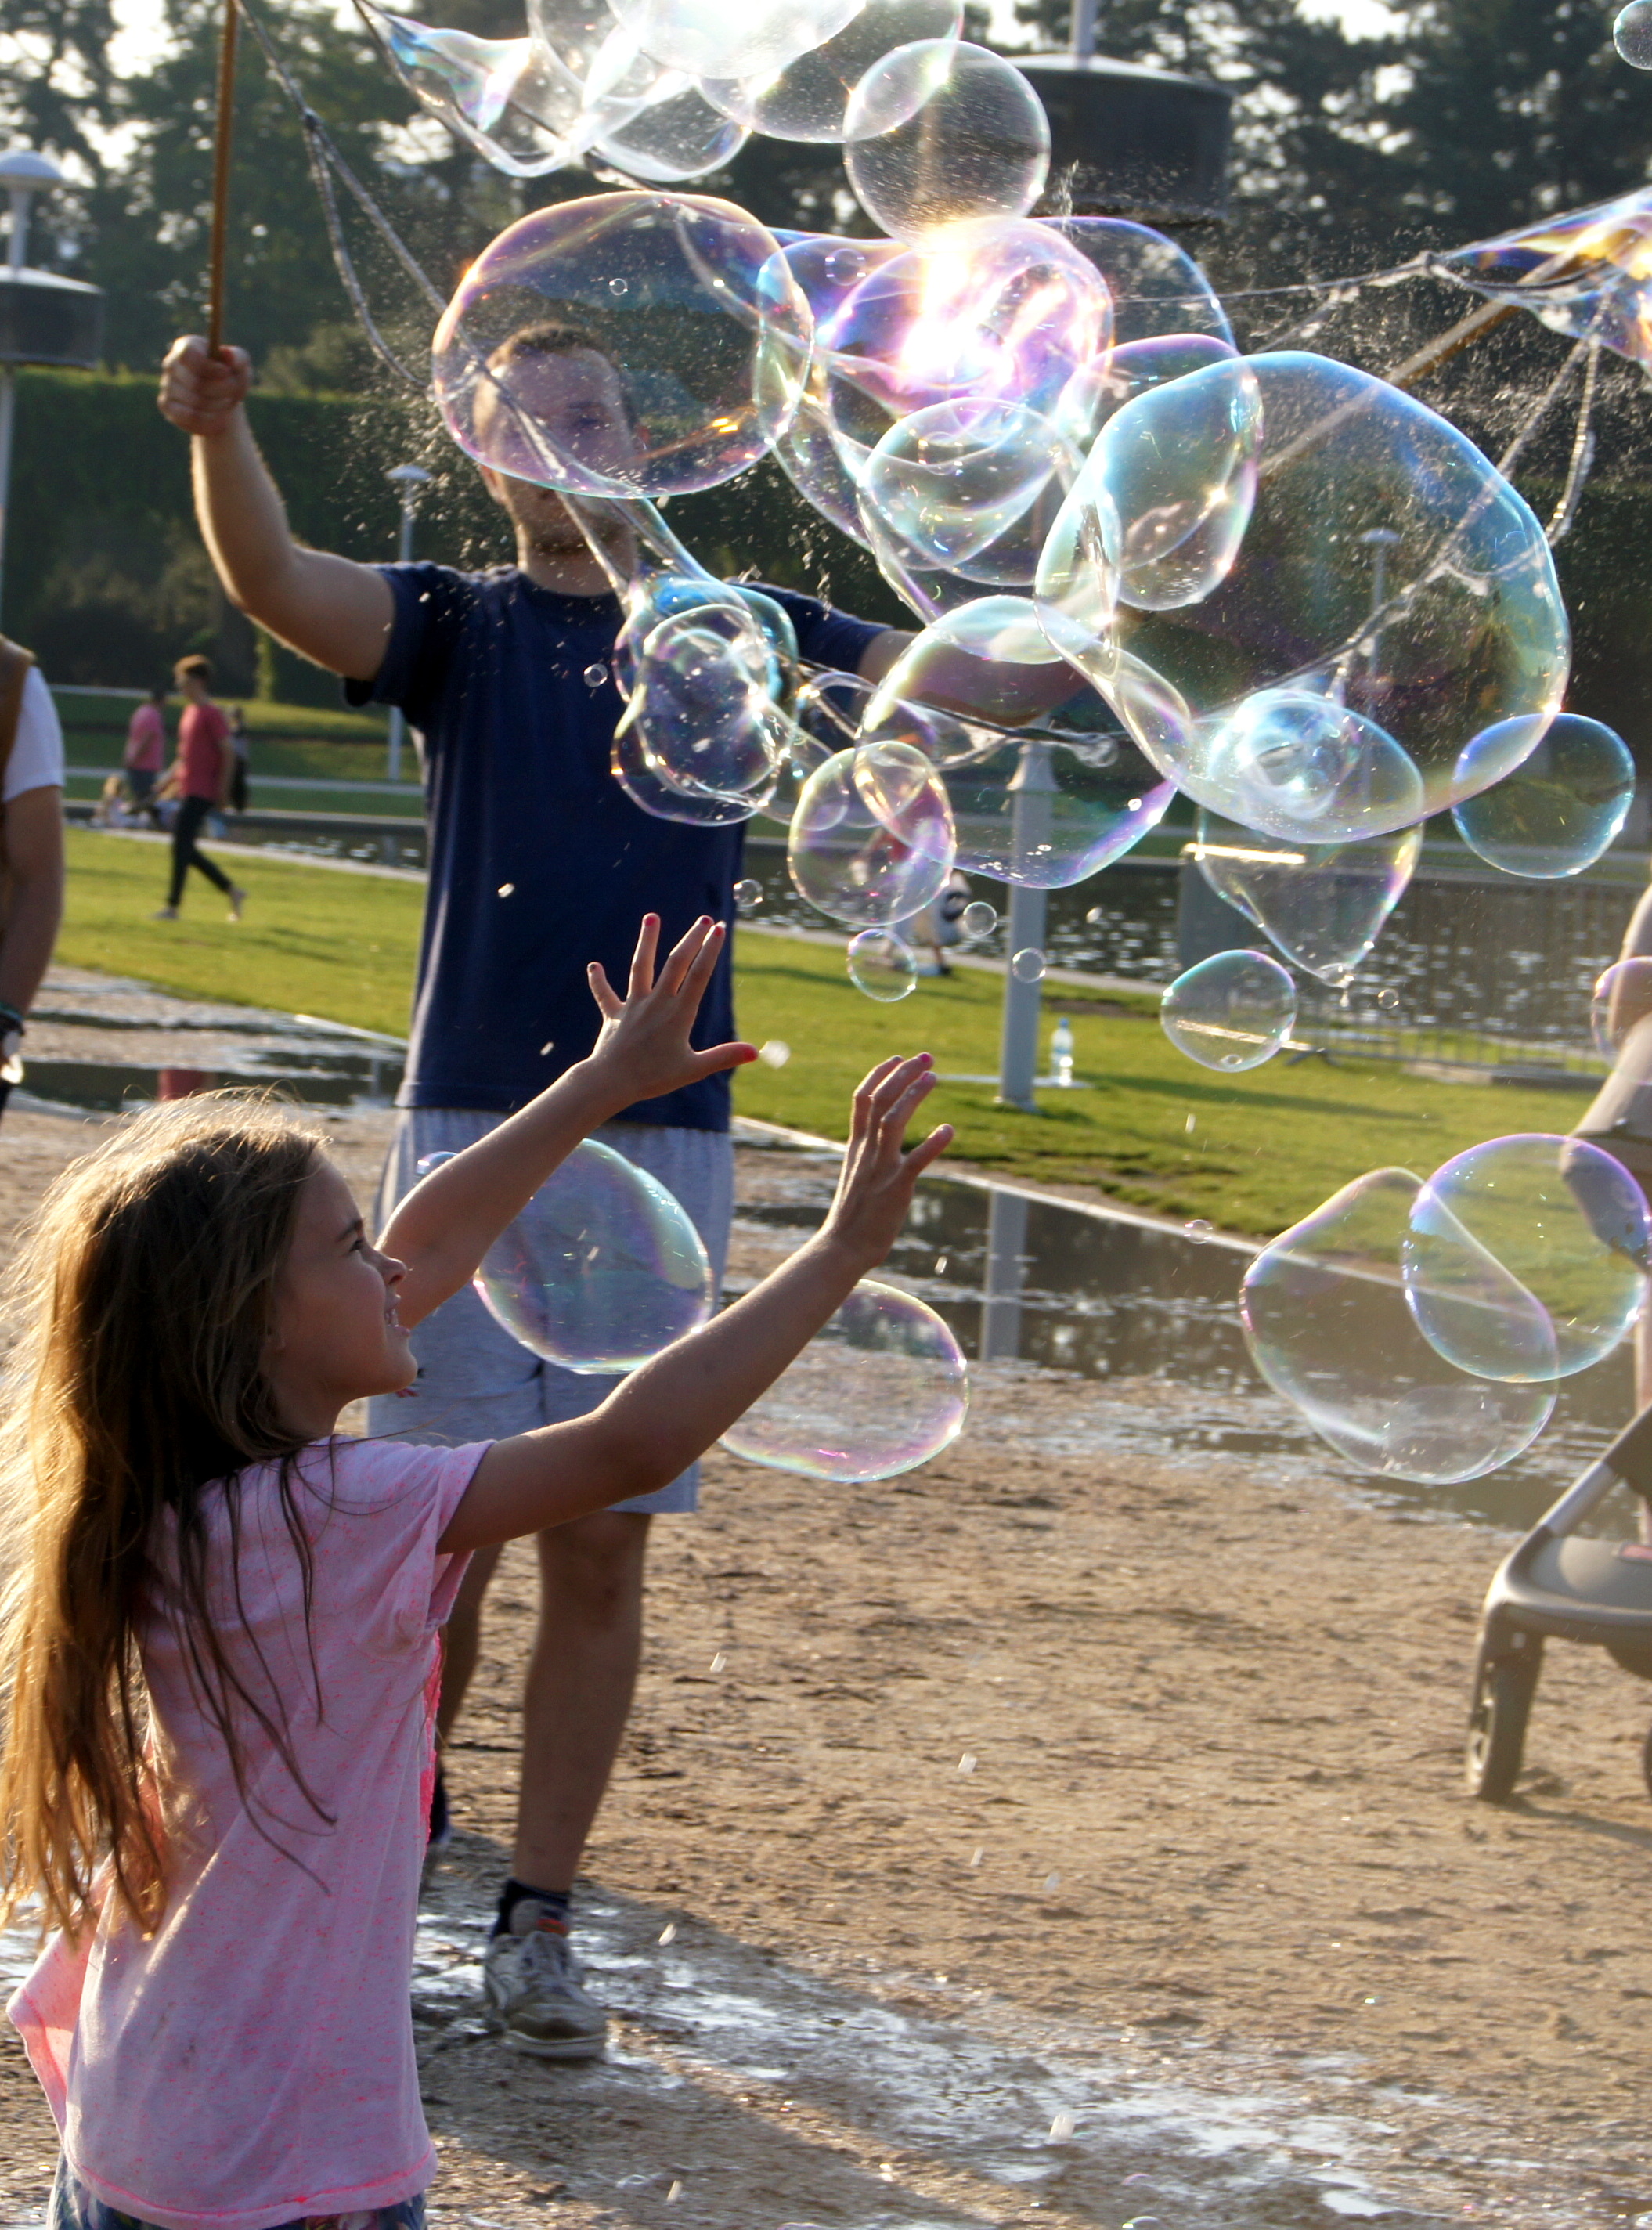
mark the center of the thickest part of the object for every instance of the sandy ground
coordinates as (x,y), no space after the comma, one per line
(1069,1833)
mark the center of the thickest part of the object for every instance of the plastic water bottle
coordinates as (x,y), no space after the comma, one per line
(1061,1052)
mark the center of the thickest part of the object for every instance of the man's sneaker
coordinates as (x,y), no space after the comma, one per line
(534,1982)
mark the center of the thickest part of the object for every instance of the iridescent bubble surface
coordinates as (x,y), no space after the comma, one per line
(1030,966)
(707,38)
(510,98)
(1325,1315)
(1632,34)
(941,132)
(949,481)
(702,707)
(1526,1257)
(1562,807)
(1232,1011)
(1583,273)
(748,894)
(1158,290)
(881,964)
(1045,810)
(978,920)
(881,1389)
(871,842)
(808,99)
(638,343)
(1322,906)
(602,1269)
(651,121)
(1389,598)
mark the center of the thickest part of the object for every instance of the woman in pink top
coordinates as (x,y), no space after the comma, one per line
(220,1662)
(145,747)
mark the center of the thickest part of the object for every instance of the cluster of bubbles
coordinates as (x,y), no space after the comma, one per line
(1420,1326)
(1141,562)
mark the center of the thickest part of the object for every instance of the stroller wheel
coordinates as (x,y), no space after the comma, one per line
(1504,1687)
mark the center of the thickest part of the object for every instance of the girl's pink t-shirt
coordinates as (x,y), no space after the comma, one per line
(253,2061)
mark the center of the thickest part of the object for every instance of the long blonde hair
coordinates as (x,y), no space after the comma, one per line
(143,1297)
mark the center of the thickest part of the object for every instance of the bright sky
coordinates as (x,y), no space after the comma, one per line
(142,33)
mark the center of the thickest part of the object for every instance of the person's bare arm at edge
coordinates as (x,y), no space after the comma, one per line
(328,609)
(672,1410)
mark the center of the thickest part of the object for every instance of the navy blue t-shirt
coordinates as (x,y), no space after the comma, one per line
(539,862)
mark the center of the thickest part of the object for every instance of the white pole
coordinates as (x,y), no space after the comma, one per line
(1083,40)
(1033,788)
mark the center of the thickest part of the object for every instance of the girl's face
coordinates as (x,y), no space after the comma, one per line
(335,1337)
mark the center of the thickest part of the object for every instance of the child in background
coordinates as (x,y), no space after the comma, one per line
(221,1651)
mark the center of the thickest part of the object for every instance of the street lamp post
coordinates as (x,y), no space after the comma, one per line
(410,482)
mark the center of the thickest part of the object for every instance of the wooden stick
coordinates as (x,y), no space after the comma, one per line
(1450,343)
(221,151)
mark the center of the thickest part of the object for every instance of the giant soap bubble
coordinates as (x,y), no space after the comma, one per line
(510,99)
(1325,1311)
(871,840)
(708,39)
(1158,291)
(881,1389)
(1563,806)
(949,481)
(652,122)
(808,99)
(1307,625)
(601,1270)
(1323,905)
(1044,810)
(1232,1011)
(627,343)
(704,716)
(941,132)
(1525,1258)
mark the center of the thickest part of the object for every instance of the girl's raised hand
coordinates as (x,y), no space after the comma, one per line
(876,1184)
(644,1039)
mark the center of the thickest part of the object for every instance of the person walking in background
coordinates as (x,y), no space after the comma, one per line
(201,776)
(240,744)
(146,752)
(31,845)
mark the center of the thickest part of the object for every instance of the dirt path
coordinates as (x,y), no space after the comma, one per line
(1066,1786)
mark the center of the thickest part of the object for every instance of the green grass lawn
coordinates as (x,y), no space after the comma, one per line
(314,942)
(1263,1149)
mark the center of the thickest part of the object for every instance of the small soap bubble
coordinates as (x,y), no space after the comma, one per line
(1232,1011)
(748,894)
(669,1933)
(617,287)
(1052,1881)
(506,889)
(775,1051)
(676,2191)
(1191,1126)
(719,1663)
(882,1388)
(966,1763)
(596,674)
(977,1855)
(1029,965)
(1061,2129)
(1094,918)
(978,920)
(1388,998)
(1632,35)
(601,1270)
(1562,807)
(1198,1229)
(882,966)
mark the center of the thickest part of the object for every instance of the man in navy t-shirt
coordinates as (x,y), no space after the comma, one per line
(540,863)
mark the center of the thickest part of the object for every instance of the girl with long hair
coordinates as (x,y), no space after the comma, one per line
(221,1641)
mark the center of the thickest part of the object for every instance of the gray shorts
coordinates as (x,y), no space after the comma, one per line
(476,1381)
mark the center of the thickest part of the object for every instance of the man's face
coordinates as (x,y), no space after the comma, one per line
(579,400)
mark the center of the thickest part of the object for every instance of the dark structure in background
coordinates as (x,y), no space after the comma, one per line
(1126,141)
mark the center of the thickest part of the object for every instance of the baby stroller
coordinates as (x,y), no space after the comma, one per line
(1556,1583)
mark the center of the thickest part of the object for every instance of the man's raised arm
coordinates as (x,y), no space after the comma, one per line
(329,609)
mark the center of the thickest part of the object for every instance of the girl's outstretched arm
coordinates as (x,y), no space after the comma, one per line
(446,1223)
(671,1410)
